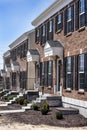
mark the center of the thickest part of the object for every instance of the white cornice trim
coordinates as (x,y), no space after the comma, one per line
(6,54)
(51,10)
(20,39)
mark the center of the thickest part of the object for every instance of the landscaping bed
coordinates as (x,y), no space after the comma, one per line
(11,107)
(36,118)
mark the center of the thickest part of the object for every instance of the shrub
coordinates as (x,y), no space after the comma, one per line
(25,102)
(35,106)
(59,115)
(44,108)
(22,101)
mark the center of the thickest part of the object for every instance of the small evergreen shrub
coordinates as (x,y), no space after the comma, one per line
(22,101)
(59,115)
(26,102)
(44,108)
(35,106)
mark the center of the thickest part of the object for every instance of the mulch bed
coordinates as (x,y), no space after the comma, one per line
(36,118)
(11,107)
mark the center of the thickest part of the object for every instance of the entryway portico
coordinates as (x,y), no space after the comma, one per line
(53,50)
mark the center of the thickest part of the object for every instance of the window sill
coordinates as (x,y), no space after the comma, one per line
(69,34)
(49,87)
(68,90)
(81,29)
(58,31)
(81,91)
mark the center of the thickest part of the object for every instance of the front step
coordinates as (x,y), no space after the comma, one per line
(68,111)
(54,101)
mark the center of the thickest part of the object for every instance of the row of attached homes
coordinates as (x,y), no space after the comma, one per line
(53,56)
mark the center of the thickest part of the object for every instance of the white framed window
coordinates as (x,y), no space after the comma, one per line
(50,28)
(50,68)
(38,33)
(81,63)
(82,6)
(59,18)
(69,65)
(44,30)
(69,14)
(43,68)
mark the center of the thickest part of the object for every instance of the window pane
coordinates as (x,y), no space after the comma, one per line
(43,68)
(69,14)
(38,33)
(44,30)
(69,64)
(50,26)
(59,18)
(82,6)
(50,67)
(81,62)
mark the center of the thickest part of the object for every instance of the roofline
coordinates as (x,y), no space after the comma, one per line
(45,11)
(19,39)
(55,7)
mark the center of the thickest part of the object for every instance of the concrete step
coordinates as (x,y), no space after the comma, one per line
(12,111)
(26,108)
(68,111)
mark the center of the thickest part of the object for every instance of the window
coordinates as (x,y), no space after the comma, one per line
(68,64)
(69,14)
(42,68)
(44,30)
(38,33)
(69,20)
(82,6)
(81,63)
(59,18)
(50,67)
(50,28)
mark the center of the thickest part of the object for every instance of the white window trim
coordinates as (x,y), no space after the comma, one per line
(82,13)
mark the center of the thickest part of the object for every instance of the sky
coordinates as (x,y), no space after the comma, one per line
(15,19)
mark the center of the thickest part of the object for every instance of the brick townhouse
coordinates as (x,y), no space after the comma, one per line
(61,41)
(15,62)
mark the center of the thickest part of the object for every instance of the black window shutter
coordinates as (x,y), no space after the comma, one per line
(86,12)
(61,20)
(72,61)
(65,22)
(40,35)
(56,24)
(77,15)
(47,31)
(76,72)
(45,71)
(72,17)
(40,73)
(64,73)
(85,68)
(35,35)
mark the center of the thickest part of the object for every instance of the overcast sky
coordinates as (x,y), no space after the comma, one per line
(15,19)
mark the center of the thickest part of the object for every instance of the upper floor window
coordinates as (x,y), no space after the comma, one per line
(38,33)
(81,63)
(82,6)
(68,64)
(59,18)
(50,68)
(69,14)
(50,26)
(44,30)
